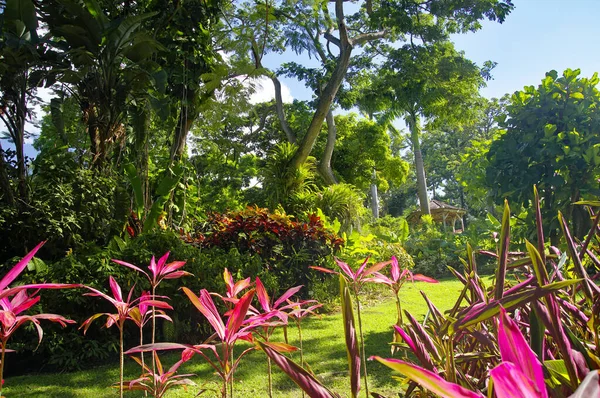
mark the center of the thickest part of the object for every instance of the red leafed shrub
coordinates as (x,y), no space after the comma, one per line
(287,247)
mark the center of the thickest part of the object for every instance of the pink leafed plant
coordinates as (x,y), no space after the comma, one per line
(519,375)
(233,288)
(395,282)
(158,271)
(219,355)
(157,383)
(356,281)
(124,309)
(14,301)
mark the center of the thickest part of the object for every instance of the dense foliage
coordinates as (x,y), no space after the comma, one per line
(285,247)
(152,143)
(551,140)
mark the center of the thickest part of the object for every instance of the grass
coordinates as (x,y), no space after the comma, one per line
(324,351)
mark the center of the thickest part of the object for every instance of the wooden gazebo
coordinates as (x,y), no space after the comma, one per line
(443,213)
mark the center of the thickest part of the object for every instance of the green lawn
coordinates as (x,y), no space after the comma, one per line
(323,345)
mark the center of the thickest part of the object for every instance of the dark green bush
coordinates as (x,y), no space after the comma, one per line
(434,250)
(69,206)
(286,247)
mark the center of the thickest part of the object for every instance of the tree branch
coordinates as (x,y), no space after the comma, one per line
(280,111)
(332,39)
(370,36)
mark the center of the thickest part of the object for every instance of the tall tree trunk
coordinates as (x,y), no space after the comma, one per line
(141,124)
(325,163)
(291,137)
(184,125)
(14,119)
(19,139)
(5,180)
(413,121)
(374,196)
(329,92)
(93,133)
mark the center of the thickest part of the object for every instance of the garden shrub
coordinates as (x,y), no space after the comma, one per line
(434,250)
(92,265)
(286,247)
(69,207)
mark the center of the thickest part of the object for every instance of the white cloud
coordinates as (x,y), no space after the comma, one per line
(265,91)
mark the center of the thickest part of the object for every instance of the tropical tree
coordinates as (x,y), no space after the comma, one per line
(334,35)
(431,81)
(551,140)
(365,146)
(444,148)
(24,67)
(110,67)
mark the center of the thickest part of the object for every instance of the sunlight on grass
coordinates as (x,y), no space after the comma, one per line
(324,351)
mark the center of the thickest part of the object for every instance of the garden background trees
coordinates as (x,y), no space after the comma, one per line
(342,37)
(552,141)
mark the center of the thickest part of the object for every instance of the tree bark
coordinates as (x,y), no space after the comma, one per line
(4,180)
(14,120)
(141,124)
(291,137)
(415,129)
(181,133)
(328,95)
(374,196)
(325,163)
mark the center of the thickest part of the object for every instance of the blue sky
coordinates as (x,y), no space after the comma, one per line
(538,36)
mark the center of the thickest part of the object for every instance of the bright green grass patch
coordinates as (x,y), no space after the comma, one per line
(323,345)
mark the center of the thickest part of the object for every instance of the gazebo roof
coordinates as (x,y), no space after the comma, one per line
(438,205)
(439,211)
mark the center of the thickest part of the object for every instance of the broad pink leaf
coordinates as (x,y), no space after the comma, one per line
(115,288)
(326,270)
(289,293)
(19,267)
(510,382)
(240,285)
(54,318)
(428,380)
(395,269)
(263,297)
(515,349)
(423,278)
(177,274)
(26,304)
(12,291)
(379,278)
(128,265)
(153,268)
(282,347)
(237,317)
(158,347)
(173,266)
(157,304)
(206,306)
(375,268)
(299,375)
(346,268)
